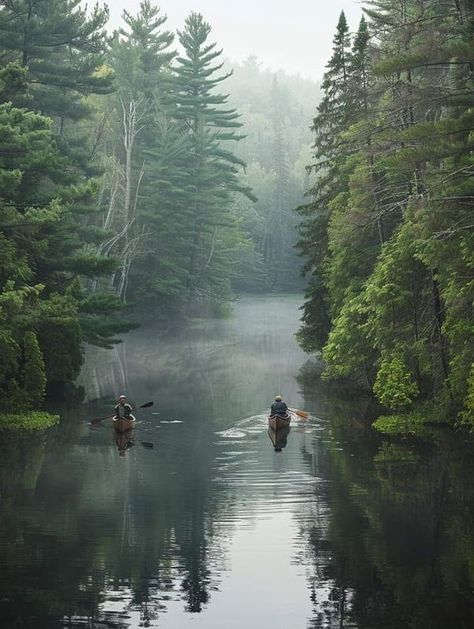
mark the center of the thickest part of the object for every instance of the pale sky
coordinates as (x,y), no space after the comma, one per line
(295,35)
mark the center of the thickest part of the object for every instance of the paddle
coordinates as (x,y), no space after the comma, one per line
(98,420)
(302,414)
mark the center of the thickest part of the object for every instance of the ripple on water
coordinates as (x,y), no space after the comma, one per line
(232,433)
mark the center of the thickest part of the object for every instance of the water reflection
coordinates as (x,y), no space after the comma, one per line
(279,438)
(124,441)
(202,524)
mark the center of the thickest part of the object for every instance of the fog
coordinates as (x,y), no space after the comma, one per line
(222,369)
(298,42)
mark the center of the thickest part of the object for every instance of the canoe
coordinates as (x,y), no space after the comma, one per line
(279,421)
(122,424)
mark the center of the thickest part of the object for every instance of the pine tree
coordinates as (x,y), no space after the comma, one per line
(160,275)
(213,169)
(355,230)
(333,116)
(61,46)
(146,35)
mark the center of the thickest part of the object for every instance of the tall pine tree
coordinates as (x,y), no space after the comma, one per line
(332,117)
(213,168)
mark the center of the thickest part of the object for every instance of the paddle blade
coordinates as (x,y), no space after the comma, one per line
(302,414)
(147,444)
(147,405)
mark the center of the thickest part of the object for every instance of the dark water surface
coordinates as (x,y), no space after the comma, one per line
(211,528)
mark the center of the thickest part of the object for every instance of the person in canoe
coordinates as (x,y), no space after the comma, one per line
(279,407)
(123,408)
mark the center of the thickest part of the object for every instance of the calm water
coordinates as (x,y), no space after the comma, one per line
(196,521)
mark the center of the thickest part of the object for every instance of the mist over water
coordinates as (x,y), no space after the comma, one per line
(223,369)
(194,520)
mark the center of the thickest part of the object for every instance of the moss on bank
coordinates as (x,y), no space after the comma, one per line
(34,420)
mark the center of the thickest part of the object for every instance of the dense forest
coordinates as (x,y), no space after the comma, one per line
(123,182)
(143,173)
(387,228)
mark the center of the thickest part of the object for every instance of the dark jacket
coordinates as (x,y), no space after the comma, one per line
(279,408)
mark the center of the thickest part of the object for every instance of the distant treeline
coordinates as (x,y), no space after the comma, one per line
(388,230)
(121,182)
(275,109)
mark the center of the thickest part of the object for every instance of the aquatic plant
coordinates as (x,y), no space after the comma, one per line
(35,420)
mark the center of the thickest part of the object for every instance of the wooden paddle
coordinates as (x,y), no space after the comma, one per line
(302,414)
(98,420)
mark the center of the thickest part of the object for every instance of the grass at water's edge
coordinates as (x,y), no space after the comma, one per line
(33,420)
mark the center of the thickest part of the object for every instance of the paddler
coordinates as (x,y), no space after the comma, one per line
(123,408)
(279,407)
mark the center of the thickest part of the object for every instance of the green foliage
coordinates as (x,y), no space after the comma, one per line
(170,199)
(344,103)
(34,370)
(414,422)
(13,84)
(388,234)
(394,385)
(467,416)
(46,193)
(119,181)
(28,421)
(60,44)
(346,350)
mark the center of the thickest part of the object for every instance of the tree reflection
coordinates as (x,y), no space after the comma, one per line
(396,548)
(97,533)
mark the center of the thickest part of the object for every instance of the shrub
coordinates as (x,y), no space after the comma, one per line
(36,420)
(394,385)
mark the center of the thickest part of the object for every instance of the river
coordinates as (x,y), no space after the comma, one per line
(197,520)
